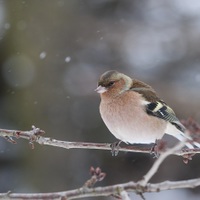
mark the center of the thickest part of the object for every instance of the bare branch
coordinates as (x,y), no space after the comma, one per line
(120,190)
(158,162)
(124,195)
(105,191)
(35,136)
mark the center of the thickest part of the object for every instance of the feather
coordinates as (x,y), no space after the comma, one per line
(163,111)
(156,107)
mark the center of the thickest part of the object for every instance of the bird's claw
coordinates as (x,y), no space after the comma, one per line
(115,148)
(158,147)
(10,139)
(155,150)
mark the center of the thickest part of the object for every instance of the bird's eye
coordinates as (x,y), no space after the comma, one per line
(110,83)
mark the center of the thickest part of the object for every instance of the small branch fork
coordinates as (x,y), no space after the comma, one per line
(120,191)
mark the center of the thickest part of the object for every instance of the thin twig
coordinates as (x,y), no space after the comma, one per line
(158,162)
(140,187)
(35,136)
(104,191)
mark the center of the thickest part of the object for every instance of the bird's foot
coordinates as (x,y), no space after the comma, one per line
(115,148)
(155,149)
(158,146)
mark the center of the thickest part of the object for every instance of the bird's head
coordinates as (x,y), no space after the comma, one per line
(113,83)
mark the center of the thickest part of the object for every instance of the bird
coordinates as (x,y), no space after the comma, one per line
(134,113)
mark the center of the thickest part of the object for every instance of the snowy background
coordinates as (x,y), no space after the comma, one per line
(51,55)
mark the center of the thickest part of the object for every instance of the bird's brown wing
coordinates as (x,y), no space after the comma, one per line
(156,107)
(163,111)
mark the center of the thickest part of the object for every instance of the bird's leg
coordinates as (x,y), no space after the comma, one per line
(155,149)
(158,146)
(115,148)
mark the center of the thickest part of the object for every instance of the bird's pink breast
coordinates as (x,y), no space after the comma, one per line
(127,120)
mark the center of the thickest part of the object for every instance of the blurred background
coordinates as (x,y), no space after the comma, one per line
(51,56)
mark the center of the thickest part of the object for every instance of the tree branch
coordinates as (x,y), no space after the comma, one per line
(140,187)
(105,191)
(158,162)
(35,136)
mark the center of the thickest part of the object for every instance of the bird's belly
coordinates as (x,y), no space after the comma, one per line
(132,128)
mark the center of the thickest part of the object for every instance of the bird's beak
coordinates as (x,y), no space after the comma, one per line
(100,89)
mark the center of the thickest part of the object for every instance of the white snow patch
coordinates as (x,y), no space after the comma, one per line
(43,55)
(67,59)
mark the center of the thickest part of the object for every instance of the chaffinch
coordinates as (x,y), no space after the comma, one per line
(134,113)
